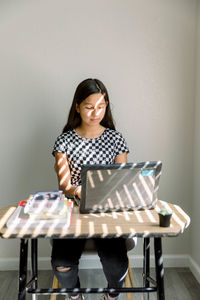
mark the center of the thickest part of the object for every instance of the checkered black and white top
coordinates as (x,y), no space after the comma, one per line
(101,150)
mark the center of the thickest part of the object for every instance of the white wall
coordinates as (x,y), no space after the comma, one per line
(195,228)
(144,52)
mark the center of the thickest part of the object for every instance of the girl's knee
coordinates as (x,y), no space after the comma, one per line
(63,269)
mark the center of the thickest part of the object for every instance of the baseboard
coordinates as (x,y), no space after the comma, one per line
(9,264)
(92,262)
(169,261)
(194,268)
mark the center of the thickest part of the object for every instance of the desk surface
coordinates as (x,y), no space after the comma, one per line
(121,224)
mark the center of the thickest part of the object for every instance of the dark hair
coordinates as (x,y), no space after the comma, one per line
(84,90)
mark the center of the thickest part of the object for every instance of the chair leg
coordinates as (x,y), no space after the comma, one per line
(56,285)
(129,282)
(130,273)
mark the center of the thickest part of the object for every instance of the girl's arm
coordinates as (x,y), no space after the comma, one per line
(64,176)
(121,158)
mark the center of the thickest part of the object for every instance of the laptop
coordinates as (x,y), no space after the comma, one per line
(119,187)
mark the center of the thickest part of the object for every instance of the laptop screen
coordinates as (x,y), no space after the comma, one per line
(118,187)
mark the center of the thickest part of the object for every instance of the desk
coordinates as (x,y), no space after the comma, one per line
(142,224)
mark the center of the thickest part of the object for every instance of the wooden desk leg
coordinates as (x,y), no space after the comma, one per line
(23,269)
(159,268)
(34,265)
(146,262)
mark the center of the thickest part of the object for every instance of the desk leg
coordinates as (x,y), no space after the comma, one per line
(23,269)
(146,262)
(159,268)
(34,264)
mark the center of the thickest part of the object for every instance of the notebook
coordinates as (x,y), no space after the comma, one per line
(21,218)
(119,187)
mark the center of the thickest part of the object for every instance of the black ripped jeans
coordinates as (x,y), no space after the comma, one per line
(112,253)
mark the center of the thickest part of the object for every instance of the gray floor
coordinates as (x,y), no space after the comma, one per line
(180,284)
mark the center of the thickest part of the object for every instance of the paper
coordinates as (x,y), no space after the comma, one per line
(20,219)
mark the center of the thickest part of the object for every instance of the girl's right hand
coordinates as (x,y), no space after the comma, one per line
(77,191)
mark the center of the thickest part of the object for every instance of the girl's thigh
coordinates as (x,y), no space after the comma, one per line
(67,251)
(112,248)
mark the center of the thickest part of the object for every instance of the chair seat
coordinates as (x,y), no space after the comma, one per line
(90,244)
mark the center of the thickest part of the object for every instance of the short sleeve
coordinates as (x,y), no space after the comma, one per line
(60,145)
(120,145)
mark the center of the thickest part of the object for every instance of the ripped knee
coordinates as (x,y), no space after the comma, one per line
(63,269)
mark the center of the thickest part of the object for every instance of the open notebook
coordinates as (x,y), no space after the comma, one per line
(118,187)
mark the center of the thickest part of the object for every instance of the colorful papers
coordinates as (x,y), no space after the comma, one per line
(20,219)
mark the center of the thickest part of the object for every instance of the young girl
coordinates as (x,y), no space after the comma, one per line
(89,137)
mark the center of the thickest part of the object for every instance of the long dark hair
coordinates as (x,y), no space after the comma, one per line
(84,90)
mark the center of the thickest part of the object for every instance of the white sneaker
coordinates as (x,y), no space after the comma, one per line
(103,297)
(81,297)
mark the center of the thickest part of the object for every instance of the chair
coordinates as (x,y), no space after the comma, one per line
(90,249)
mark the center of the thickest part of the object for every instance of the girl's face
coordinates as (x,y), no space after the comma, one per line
(92,109)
